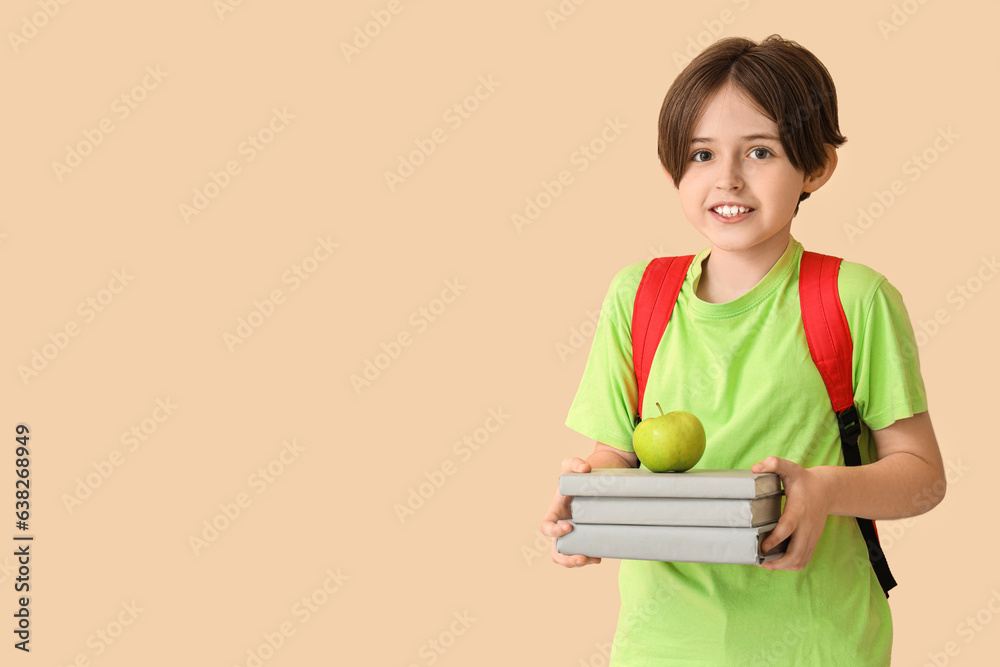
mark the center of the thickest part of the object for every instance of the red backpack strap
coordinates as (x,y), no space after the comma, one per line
(654,304)
(832,350)
(826,326)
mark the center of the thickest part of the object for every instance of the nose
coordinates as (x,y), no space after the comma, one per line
(729,175)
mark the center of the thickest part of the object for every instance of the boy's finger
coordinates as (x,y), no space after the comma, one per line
(795,548)
(553,529)
(778,563)
(573,560)
(575,465)
(785,527)
(783,563)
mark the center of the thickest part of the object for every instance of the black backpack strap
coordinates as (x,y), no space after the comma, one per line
(850,429)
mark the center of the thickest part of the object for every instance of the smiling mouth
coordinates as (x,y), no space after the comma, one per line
(732,214)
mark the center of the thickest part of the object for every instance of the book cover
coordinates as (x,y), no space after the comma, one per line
(728,512)
(639,482)
(693,544)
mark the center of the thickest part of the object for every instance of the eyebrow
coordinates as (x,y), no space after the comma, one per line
(751,137)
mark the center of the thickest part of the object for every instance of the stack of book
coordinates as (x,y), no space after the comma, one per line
(701,516)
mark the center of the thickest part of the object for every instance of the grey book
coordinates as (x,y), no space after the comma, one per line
(693,544)
(639,482)
(731,512)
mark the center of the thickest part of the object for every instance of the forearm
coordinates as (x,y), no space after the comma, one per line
(608,459)
(897,486)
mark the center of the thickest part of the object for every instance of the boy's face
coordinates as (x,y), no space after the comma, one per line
(735,156)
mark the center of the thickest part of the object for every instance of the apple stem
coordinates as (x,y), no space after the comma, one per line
(660,409)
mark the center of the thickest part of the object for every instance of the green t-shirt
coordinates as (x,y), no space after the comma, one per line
(744,368)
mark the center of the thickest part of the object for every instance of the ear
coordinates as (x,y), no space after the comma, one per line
(823,174)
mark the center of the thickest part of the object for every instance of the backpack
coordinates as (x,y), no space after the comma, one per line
(827,334)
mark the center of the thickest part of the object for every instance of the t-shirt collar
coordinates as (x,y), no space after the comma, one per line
(774,277)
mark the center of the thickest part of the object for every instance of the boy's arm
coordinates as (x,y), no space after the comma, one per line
(907,479)
(606,456)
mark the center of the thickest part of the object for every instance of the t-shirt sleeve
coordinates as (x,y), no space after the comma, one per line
(888,383)
(605,403)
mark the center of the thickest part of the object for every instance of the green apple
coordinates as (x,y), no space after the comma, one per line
(672,442)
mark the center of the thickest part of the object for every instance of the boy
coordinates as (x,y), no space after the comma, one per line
(746,132)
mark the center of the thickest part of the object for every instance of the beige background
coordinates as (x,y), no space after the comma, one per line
(471,550)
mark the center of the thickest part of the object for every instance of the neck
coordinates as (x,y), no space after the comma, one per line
(729,274)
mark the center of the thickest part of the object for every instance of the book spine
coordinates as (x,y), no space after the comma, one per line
(734,513)
(660,486)
(697,544)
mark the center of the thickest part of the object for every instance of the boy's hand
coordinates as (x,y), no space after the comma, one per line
(807,504)
(559,509)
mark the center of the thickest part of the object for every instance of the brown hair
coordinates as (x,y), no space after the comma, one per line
(784,80)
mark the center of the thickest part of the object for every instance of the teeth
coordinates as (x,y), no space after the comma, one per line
(730,211)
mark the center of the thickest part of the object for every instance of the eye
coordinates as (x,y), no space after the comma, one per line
(696,153)
(761,148)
